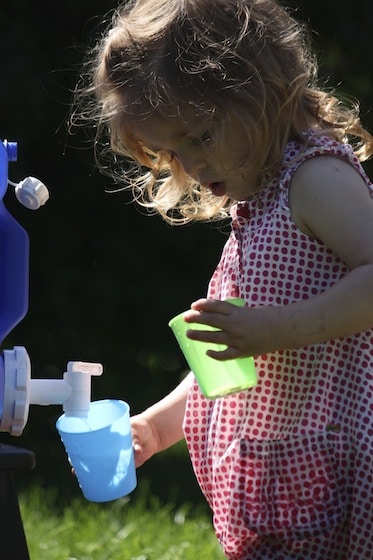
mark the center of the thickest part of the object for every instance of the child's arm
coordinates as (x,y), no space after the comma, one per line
(160,426)
(329,201)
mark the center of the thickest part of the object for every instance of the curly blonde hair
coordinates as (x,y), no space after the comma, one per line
(245,58)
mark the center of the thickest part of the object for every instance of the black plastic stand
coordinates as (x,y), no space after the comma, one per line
(13,545)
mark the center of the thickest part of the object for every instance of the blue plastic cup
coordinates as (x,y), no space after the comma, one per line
(100,450)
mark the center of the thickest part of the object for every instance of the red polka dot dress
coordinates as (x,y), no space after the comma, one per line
(287,465)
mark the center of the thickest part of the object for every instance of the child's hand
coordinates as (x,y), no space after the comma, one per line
(145,441)
(145,445)
(245,331)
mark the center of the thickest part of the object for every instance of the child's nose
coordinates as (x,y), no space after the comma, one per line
(192,163)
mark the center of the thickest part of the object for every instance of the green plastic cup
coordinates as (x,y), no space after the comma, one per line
(215,378)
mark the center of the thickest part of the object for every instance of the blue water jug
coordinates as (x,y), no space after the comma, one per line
(14,254)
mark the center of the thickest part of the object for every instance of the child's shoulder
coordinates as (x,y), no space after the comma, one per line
(327,184)
(321,155)
(327,169)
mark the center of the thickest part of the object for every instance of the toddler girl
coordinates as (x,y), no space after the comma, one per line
(218,104)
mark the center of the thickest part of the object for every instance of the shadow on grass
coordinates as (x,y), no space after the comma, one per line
(167,476)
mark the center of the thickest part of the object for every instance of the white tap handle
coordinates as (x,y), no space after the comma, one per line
(85,367)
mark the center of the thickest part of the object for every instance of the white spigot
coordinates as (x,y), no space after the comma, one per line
(73,391)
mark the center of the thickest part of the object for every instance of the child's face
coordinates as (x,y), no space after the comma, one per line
(215,165)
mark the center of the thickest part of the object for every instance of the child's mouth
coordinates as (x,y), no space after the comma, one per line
(217,188)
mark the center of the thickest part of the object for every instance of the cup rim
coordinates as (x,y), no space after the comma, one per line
(123,407)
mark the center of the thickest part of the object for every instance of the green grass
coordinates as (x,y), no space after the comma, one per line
(132,528)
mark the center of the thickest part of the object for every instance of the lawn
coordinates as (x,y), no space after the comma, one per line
(138,527)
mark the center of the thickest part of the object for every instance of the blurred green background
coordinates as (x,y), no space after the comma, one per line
(105,278)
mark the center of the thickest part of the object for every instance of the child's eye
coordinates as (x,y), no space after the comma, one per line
(203,138)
